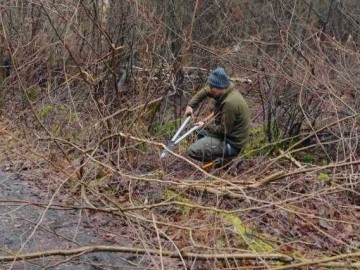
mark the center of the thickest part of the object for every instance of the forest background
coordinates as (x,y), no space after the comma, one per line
(92,90)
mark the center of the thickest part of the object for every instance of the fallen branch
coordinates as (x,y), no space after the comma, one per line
(218,191)
(267,179)
(291,158)
(319,261)
(340,265)
(93,249)
(227,190)
(281,174)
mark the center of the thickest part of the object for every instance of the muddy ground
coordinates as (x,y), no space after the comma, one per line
(59,229)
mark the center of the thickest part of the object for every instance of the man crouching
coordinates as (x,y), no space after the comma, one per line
(225,137)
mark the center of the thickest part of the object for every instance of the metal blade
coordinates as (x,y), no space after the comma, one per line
(170,146)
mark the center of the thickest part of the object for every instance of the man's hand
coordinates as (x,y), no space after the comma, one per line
(189,111)
(200,124)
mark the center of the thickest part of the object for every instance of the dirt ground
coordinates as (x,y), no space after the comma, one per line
(58,229)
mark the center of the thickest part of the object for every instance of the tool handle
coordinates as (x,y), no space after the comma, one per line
(187,119)
(207,118)
(186,134)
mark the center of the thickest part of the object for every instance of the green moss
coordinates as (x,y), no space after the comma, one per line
(309,158)
(152,109)
(171,195)
(323,176)
(253,242)
(46,110)
(55,129)
(256,144)
(32,93)
(238,224)
(246,236)
(56,110)
(143,146)
(55,117)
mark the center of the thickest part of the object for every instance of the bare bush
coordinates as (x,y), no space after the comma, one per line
(91,90)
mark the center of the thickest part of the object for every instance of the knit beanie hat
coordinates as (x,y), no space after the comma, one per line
(218,78)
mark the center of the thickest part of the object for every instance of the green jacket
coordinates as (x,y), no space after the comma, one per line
(232,116)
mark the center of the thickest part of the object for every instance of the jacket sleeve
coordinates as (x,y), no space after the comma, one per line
(227,122)
(199,97)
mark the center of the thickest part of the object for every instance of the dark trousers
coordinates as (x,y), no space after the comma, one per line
(208,148)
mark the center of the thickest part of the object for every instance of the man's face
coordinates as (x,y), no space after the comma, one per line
(216,92)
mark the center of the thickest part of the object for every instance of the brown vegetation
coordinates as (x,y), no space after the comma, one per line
(91,90)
